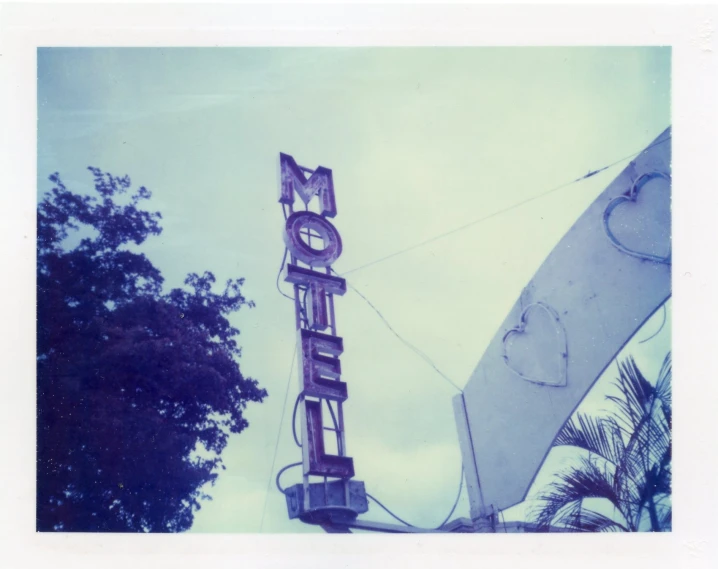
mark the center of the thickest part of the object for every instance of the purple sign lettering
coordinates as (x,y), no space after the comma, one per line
(293,180)
(319,285)
(307,221)
(321,368)
(313,240)
(321,464)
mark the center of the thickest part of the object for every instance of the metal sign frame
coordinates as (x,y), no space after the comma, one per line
(602,281)
(314,244)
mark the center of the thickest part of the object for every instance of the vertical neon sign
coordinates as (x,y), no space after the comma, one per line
(315,244)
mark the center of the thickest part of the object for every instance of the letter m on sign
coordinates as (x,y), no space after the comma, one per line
(320,183)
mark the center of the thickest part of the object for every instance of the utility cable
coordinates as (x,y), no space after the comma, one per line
(284,259)
(279,474)
(441,525)
(279,433)
(456,502)
(334,420)
(409,345)
(303,303)
(388,511)
(501,211)
(294,421)
(413,348)
(503,521)
(281,268)
(663,323)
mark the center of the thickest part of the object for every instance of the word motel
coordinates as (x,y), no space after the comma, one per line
(314,244)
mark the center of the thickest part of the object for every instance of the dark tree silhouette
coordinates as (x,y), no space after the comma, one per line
(137,389)
(622,481)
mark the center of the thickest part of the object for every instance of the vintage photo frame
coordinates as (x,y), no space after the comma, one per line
(689,31)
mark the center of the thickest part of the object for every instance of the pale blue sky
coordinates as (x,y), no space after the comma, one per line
(421,140)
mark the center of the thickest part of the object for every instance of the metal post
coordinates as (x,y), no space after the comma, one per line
(480,516)
(305,455)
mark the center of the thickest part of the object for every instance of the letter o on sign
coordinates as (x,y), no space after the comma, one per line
(308,220)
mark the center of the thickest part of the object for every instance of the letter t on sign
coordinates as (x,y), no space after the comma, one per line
(319,285)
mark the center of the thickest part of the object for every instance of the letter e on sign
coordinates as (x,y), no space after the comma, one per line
(321,372)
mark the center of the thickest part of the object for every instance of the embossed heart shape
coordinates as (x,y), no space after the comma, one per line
(631,197)
(558,377)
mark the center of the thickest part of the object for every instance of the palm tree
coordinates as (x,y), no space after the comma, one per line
(621,480)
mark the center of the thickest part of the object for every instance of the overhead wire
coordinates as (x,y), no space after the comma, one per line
(284,259)
(503,521)
(501,211)
(294,421)
(663,323)
(408,344)
(433,366)
(441,525)
(416,350)
(456,502)
(336,426)
(279,273)
(282,471)
(334,420)
(279,433)
(333,416)
(388,511)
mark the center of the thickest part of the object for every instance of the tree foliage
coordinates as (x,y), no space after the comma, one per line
(137,389)
(622,481)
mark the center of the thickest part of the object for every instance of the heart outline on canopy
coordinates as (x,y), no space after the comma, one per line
(630,196)
(563,348)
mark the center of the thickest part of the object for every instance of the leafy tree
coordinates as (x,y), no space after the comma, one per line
(137,389)
(622,480)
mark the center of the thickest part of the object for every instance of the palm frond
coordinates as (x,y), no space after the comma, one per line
(586,480)
(649,445)
(637,394)
(644,469)
(628,464)
(594,435)
(664,392)
(666,521)
(593,521)
(665,512)
(664,479)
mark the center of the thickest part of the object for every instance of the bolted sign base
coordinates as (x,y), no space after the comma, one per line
(336,502)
